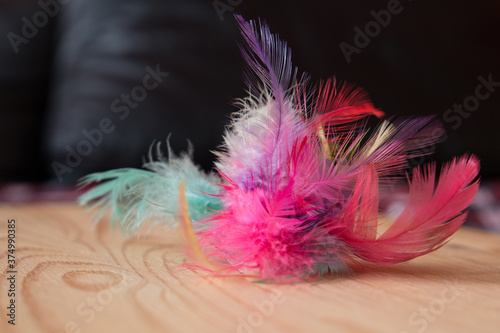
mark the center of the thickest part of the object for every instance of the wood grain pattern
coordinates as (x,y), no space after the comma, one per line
(72,278)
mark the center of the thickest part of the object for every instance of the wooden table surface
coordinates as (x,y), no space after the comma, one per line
(71,277)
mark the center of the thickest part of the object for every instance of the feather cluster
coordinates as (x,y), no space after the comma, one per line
(295,192)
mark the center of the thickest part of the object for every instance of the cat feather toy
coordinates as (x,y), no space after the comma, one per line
(295,192)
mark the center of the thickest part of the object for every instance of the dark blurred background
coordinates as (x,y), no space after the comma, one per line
(88,85)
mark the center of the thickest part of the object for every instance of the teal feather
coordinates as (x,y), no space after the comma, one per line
(137,196)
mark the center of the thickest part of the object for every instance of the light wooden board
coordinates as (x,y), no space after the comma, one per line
(73,278)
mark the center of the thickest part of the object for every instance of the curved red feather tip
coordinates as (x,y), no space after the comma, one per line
(341,104)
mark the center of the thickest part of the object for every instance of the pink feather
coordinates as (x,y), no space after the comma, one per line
(301,178)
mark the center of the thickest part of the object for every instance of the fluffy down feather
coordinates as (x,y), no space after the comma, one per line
(137,196)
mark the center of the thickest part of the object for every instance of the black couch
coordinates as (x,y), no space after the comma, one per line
(79,90)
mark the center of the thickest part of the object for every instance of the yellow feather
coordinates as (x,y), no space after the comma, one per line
(385,130)
(187,227)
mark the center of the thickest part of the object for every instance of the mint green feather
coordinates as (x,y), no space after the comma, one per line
(137,196)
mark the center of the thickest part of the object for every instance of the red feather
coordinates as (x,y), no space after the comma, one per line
(432,214)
